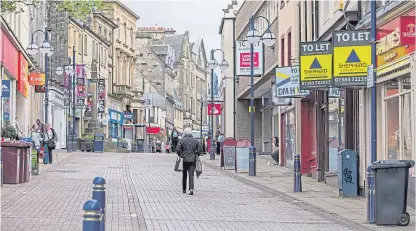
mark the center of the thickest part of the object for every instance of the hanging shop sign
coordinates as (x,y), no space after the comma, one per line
(101,95)
(287,83)
(40,89)
(396,39)
(315,65)
(80,90)
(5,88)
(37,79)
(214,109)
(352,55)
(22,81)
(244,61)
(334,92)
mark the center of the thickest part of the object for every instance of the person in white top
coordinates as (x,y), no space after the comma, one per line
(16,124)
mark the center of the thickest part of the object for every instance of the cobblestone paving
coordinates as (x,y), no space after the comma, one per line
(144,193)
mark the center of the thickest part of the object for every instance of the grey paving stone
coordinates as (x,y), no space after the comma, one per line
(144,193)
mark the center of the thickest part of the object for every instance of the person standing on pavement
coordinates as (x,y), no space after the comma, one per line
(175,138)
(36,140)
(275,154)
(40,126)
(188,148)
(49,140)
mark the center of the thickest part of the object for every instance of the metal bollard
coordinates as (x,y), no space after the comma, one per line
(297,184)
(371,205)
(92,216)
(98,193)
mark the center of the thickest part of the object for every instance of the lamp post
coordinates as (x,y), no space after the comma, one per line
(46,49)
(213,64)
(69,70)
(95,80)
(268,39)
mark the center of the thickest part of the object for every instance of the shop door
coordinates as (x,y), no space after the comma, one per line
(308,154)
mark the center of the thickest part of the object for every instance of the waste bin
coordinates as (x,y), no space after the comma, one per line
(391,182)
(25,154)
(11,162)
(98,142)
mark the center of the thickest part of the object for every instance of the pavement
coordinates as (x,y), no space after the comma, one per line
(315,194)
(144,193)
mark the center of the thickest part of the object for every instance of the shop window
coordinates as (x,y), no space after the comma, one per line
(290,137)
(392,87)
(406,83)
(407,135)
(392,128)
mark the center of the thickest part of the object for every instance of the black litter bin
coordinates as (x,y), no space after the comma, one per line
(391,181)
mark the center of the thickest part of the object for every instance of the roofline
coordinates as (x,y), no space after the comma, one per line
(124,7)
(89,30)
(222,23)
(100,15)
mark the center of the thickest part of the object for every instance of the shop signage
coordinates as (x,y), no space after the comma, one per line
(315,65)
(101,95)
(244,61)
(287,83)
(36,79)
(9,55)
(5,88)
(214,109)
(40,89)
(115,116)
(128,116)
(407,30)
(396,39)
(80,93)
(352,55)
(334,92)
(22,82)
(370,76)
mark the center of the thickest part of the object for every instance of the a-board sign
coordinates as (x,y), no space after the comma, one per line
(315,65)
(242,156)
(229,153)
(352,56)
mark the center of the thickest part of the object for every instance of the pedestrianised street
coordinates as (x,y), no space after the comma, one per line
(144,193)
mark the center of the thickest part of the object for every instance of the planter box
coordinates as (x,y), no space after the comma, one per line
(86,146)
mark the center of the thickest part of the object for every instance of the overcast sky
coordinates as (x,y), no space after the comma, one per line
(201,18)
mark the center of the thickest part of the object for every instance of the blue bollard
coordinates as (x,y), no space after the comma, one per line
(297,184)
(92,216)
(371,205)
(98,193)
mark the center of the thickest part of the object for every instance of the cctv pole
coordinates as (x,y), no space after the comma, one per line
(234,77)
(252,152)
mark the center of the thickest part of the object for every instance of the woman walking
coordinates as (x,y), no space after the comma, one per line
(36,140)
(49,140)
(188,148)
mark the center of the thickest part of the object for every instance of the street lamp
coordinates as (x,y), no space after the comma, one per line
(69,70)
(213,64)
(268,39)
(46,49)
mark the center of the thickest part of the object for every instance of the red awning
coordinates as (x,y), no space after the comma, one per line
(152,130)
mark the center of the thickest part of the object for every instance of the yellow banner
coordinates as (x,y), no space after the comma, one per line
(351,61)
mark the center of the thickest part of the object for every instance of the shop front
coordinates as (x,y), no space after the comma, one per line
(58,113)
(115,123)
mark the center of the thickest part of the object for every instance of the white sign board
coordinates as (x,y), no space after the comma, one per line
(243,58)
(370,76)
(288,84)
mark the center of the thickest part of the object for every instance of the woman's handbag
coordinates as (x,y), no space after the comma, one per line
(198,168)
(179,164)
(51,143)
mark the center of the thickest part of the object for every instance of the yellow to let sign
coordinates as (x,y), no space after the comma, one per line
(351,61)
(316,67)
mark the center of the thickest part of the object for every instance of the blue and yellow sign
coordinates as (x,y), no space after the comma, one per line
(315,65)
(352,56)
(287,83)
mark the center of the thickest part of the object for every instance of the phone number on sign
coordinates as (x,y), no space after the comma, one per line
(351,79)
(316,82)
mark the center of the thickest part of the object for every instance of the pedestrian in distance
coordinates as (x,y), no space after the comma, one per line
(275,154)
(188,149)
(175,138)
(49,140)
(37,140)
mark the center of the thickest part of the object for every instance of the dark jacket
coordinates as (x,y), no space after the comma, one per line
(188,148)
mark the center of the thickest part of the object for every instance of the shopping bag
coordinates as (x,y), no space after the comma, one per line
(198,168)
(179,164)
